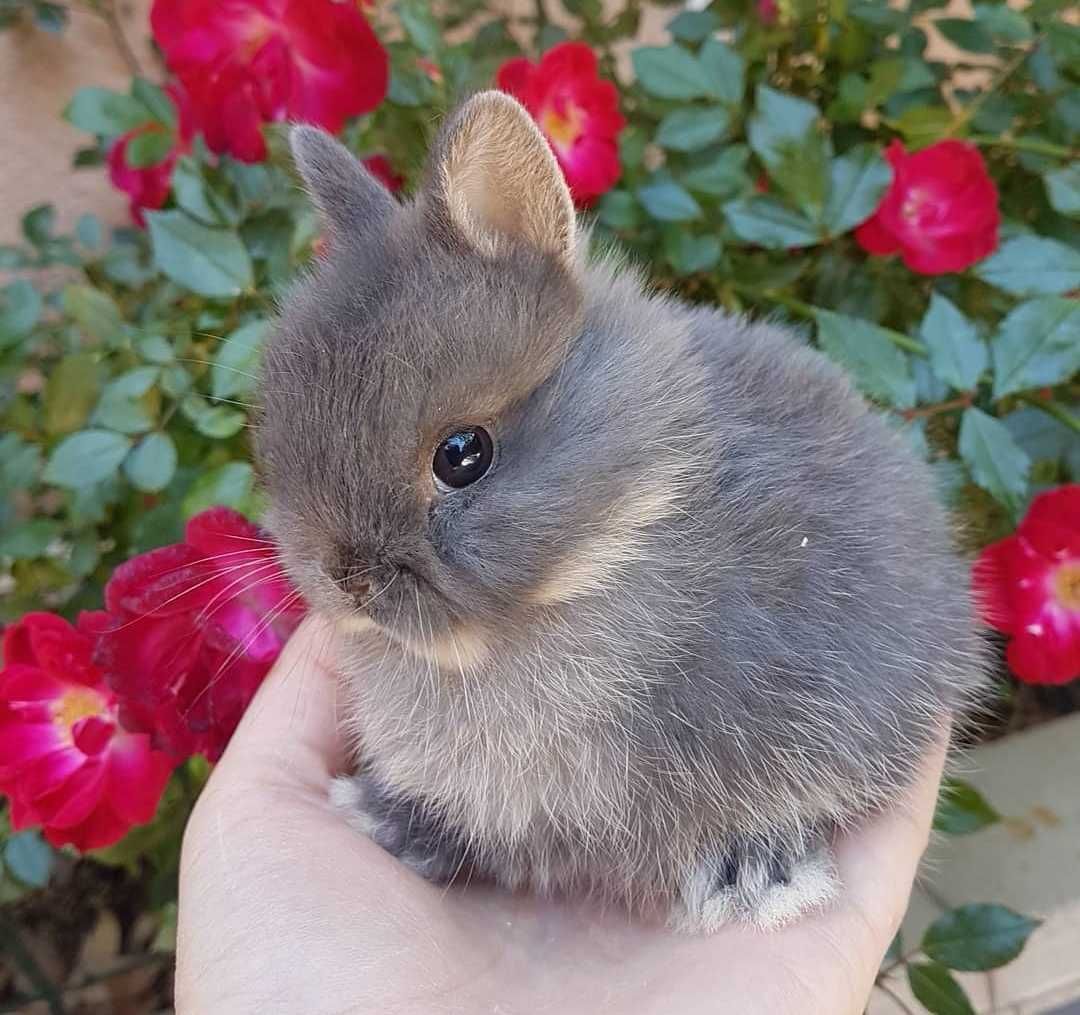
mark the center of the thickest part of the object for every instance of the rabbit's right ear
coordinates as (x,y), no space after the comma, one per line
(350,199)
(492,177)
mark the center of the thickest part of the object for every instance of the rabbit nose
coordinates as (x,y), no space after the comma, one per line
(354,582)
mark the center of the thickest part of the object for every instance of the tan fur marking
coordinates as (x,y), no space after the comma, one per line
(461,650)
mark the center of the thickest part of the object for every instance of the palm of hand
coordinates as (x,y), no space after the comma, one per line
(284,907)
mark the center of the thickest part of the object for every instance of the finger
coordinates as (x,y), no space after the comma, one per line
(290,729)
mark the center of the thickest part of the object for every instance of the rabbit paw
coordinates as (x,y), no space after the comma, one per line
(405,828)
(762,886)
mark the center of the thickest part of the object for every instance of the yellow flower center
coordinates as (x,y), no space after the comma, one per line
(77,704)
(1067,586)
(562,128)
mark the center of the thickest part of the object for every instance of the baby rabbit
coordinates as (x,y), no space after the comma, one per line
(641,599)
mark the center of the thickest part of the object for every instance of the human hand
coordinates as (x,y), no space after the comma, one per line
(285,908)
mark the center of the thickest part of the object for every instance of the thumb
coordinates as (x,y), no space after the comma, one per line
(289,733)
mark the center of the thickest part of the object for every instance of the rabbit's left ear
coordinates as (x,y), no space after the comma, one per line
(492,177)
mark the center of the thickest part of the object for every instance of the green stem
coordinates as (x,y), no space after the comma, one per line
(964,116)
(20,954)
(895,998)
(1055,409)
(1024,144)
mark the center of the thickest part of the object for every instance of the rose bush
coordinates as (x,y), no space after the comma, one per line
(916,219)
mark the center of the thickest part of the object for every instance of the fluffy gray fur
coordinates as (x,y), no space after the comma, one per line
(701,613)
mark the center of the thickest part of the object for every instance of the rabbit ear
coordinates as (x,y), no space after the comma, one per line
(492,176)
(350,198)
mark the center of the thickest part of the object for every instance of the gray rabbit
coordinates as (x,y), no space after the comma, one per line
(641,600)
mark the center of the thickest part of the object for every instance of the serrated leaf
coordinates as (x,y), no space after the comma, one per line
(921,125)
(211,262)
(148,148)
(20,310)
(71,392)
(155,349)
(29,857)
(216,421)
(783,134)
(668,201)
(195,195)
(1002,22)
(30,539)
(151,464)
(88,231)
(236,360)
(20,462)
(1063,189)
(1032,266)
(619,210)
(670,72)
(123,406)
(962,809)
(957,354)
(420,25)
(100,111)
(723,176)
(693,26)
(690,130)
(726,71)
(977,937)
(687,253)
(156,100)
(766,222)
(95,312)
(1037,344)
(877,366)
(967,35)
(857,182)
(996,462)
(936,989)
(230,484)
(86,458)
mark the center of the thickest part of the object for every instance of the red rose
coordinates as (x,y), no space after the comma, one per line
(379,167)
(65,764)
(191,630)
(768,11)
(1028,586)
(246,62)
(577,110)
(941,212)
(148,186)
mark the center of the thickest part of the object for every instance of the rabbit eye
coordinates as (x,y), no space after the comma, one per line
(463,457)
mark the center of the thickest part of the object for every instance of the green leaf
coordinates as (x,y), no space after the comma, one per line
(666,200)
(71,392)
(966,35)
(231,484)
(688,254)
(1038,344)
(123,406)
(768,223)
(977,937)
(962,809)
(857,182)
(936,989)
(783,133)
(725,70)
(30,539)
(690,130)
(86,458)
(1063,189)
(155,349)
(152,463)
(420,25)
(1032,266)
(670,72)
(1002,22)
(236,360)
(723,176)
(85,553)
(37,224)
(148,148)
(20,309)
(693,26)
(195,195)
(100,111)
(211,262)
(95,312)
(88,231)
(957,354)
(20,462)
(29,858)
(156,100)
(619,210)
(922,125)
(877,366)
(216,421)
(996,462)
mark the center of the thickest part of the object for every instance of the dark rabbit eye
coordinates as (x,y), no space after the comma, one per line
(463,457)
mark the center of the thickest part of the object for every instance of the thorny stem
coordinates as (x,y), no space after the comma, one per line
(1024,144)
(1055,409)
(963,402)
